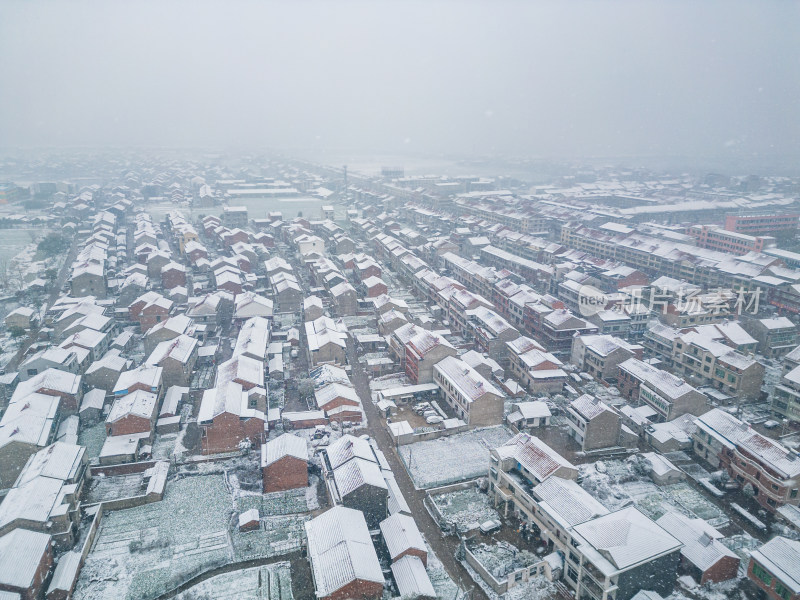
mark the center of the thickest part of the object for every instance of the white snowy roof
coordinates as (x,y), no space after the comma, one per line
(21,553)
(589,406)
(533,410)
(57,461)
(180,349)
(567,502)
(94,398)
(326,395)
(348,447)
(539,459)
(467,380)
(340,550)
(138,403)
(400,533)
(412,579)
(622,539)
(356,473)
(148,376)
(172,398)
(781,556)
(29,420)
(49,379)
(701,542)
(285,445)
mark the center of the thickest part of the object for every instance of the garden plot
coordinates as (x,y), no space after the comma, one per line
(276,503)
(103,488)
(145,551)
(465,510)
(271,582)
(275,536)
(450,459)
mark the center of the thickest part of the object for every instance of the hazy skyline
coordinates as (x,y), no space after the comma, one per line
(550,79)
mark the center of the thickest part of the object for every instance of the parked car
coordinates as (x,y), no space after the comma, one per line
(490,526)
(433,419)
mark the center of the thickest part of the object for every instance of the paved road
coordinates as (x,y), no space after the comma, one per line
(443,546)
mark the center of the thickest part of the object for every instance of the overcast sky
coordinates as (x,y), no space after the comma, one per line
(548,79)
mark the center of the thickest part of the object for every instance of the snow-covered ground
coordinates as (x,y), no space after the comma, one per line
(466,509)
(619,484)
(145,551)
(270,582)
(454,458)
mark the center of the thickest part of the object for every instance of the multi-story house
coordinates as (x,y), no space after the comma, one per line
(786,396)
(775,335)
(709,362)
(619,551)
(540,372)
(772,470)
(558,328)
(592,423)
(476,401)
(422,351)
(667,394)
(599,355)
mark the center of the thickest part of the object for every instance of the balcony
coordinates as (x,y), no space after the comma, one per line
(591,588)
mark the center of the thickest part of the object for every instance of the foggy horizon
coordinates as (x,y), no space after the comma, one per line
(713,82)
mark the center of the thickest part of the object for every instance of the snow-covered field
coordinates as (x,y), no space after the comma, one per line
(271,582)
(142,552)
(455,458)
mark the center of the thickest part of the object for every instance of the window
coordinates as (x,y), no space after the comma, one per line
(574,558)
(572,574)
(782,591)
(762,574)
(793,493)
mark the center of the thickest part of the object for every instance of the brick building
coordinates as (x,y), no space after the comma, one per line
(284,463)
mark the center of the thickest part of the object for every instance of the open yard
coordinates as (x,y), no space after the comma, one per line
(464,510)
(450,459)
(142,552)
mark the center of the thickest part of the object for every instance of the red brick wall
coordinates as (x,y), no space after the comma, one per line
(129,425)
(287,473)
(376,291)
(414,552)
(352,416)
(173,279)
(227,430)
(726,568)
(357,590)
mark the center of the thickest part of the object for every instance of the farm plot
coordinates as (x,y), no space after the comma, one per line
(271,582)
(275,536)
(145,551)
(450,459)
(277,503)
